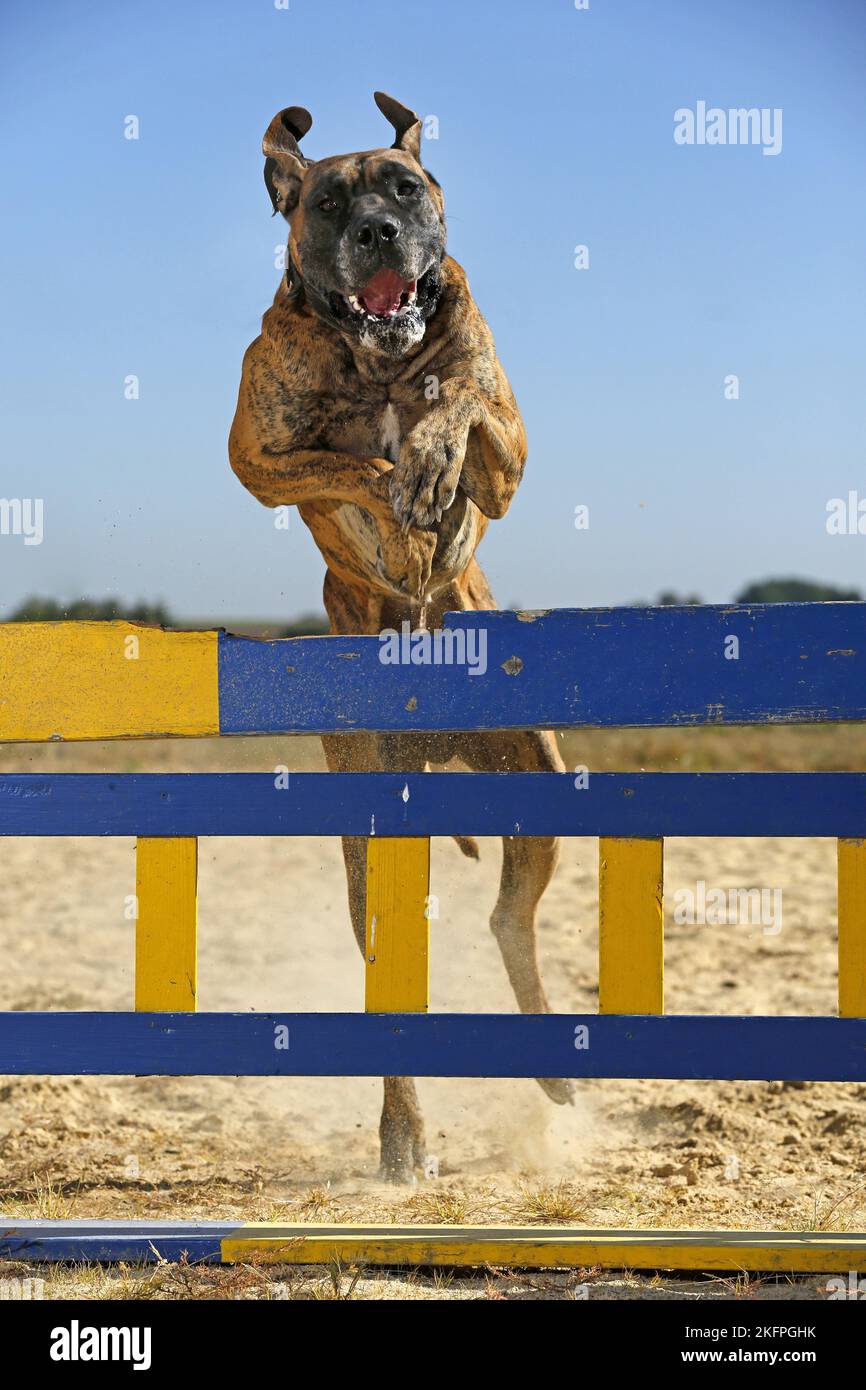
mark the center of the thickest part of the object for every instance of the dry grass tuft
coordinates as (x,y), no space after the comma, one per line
(47,1200)
(447,1207)
(833,1217)
(550,1203)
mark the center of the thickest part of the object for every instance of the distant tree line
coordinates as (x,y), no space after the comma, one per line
(796,591)
(48,610)
(772,591)
(38,609)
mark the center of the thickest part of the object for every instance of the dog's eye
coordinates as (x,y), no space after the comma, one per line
(328,205)
(405,190)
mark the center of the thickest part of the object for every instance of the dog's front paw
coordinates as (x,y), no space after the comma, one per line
(424,480)
(406,559)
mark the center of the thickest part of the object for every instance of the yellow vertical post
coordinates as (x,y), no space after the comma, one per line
(630,926)
(166,874)
(397,934)
(851,900)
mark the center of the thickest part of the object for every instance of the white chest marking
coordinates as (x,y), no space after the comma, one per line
(389,434)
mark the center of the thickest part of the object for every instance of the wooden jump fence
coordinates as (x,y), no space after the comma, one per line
(797,663)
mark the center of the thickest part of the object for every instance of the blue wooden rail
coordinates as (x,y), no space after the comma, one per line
(680,1047)
(434,803)
(599,667)
(569,668)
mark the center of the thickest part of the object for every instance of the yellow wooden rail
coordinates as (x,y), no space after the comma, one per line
(851,898)
(166,876)
(398,932)
(630,926)
(105,680)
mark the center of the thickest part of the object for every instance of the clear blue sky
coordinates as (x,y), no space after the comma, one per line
(156,258)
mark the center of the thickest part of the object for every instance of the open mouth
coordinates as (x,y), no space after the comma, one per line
(388,298)
(385,296)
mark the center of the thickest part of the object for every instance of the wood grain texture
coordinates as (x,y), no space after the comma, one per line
(166,885)
(105,680)
(546,1247)
(631,926)
(618,667)
(676,1046)
(603,667)
(627,805)
(109,1241)
(851,863)
(396,955)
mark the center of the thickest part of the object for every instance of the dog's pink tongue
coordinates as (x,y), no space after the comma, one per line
(382,294)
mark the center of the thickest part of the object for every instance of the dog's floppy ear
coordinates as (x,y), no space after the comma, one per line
(405,122)
(285,166)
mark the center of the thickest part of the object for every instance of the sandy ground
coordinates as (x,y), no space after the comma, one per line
(274,934)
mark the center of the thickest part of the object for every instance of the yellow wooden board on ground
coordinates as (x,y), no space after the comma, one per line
(548,1247)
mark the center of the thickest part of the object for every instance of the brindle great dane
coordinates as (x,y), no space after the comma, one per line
(374,401)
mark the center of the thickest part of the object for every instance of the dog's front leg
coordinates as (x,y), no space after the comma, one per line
(308,476)
(436,458)
(295,476)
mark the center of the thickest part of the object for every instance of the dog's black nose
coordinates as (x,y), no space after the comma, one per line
(381,228)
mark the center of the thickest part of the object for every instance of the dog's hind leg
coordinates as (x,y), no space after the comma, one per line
(528,864)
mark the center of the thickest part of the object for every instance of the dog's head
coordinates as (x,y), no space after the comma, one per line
(367,230)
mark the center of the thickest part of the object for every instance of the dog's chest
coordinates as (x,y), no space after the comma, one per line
(368,429)
(390,436)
